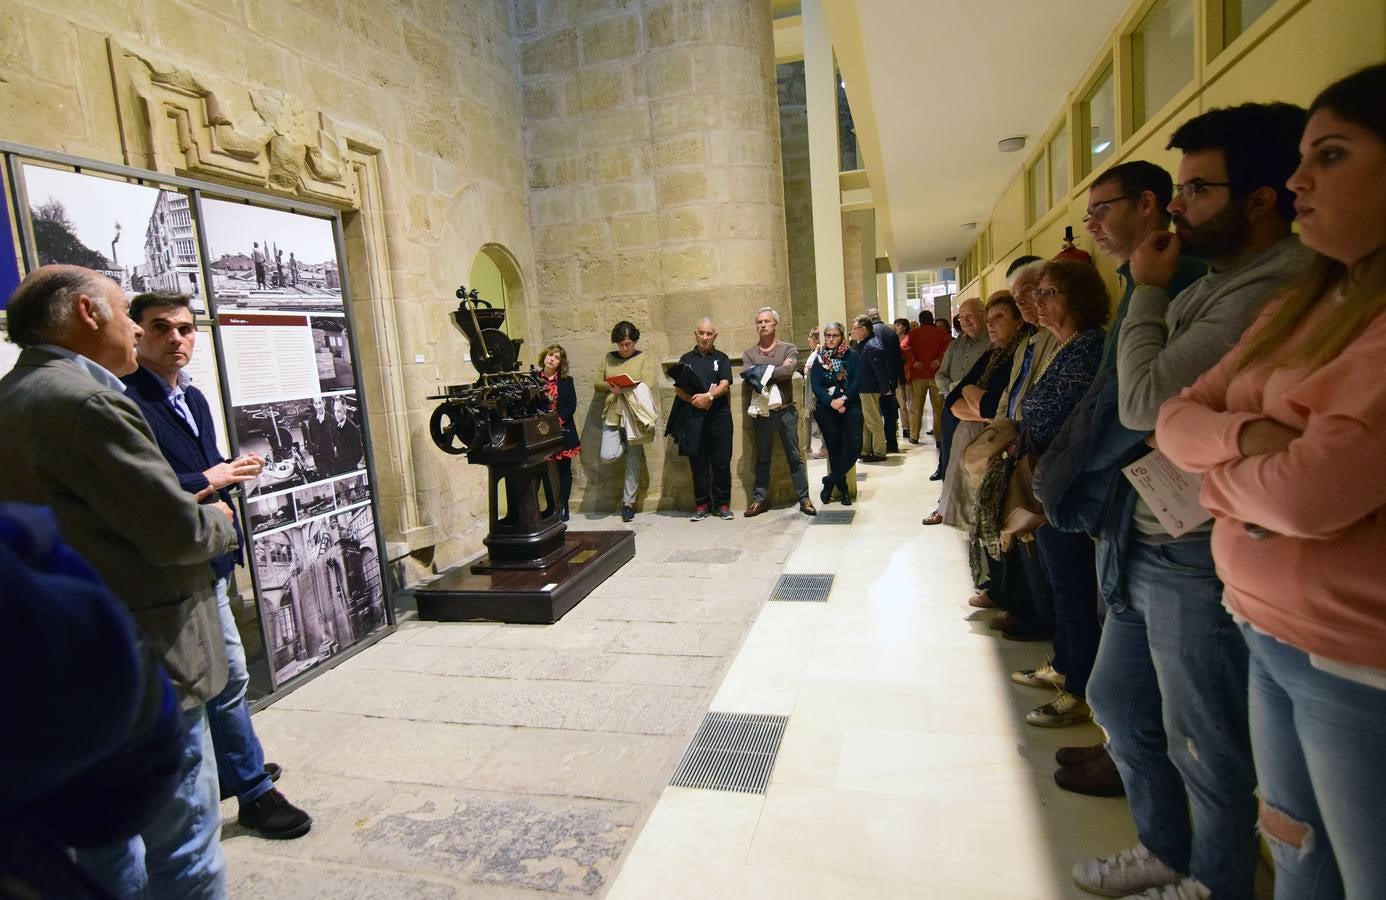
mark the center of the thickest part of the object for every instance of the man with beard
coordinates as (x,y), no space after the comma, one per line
(1170,684)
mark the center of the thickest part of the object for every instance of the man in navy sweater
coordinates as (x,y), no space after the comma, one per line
(181,420)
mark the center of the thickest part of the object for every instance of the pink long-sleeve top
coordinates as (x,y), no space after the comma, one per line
(1318,580)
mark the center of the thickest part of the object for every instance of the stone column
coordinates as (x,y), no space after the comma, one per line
(820,84)
(652,142)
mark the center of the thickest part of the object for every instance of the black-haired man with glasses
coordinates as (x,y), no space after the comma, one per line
(1170,683)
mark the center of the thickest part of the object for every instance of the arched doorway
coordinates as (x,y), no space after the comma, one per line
(496,277)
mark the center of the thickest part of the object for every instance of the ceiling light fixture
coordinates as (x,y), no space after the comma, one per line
(969,226)
(1011,144)
(1098,148)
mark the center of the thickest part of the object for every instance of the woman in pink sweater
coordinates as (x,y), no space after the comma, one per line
(1289,432)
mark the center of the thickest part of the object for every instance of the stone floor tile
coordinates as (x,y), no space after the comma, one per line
(678,638)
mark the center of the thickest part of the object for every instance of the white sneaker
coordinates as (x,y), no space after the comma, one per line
(1188,889)
(1125,873)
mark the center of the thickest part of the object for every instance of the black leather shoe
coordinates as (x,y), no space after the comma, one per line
(1096,778)
(273,770)
(825,496)
(846,498)
(274,817)
(937,476)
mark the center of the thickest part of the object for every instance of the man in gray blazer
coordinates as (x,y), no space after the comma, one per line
(75,443)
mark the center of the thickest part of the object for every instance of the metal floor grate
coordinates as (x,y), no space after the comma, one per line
(732,752)
(803,588)
(835,517)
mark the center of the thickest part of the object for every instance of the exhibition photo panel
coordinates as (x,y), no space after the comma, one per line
(292,392)
(269,259)
(143,237)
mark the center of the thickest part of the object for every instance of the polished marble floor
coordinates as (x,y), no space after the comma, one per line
(906,769)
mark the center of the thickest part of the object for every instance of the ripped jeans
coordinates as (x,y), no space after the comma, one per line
(1320,747)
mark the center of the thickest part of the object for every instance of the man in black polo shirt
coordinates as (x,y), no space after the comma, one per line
(711,438)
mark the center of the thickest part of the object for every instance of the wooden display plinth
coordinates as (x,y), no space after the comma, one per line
(527,596)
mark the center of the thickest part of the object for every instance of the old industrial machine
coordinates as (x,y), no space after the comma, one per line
(535,569)
(498,422)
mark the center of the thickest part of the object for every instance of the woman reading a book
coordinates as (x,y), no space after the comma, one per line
(627,377)
(562,399)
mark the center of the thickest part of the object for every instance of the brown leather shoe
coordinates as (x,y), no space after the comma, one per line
(933,518)
(981,600)
(1077,756)
(806,507)
(1001,622)
(1096,778)
(756,508)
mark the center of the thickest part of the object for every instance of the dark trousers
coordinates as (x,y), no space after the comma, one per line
(1020,586)
(712,464)
(945,441)
(842,438)
(565,481)
(1070,561)
(890,412)
(784,422)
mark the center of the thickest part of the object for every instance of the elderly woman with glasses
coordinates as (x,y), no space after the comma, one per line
(835,379)
(1073,303)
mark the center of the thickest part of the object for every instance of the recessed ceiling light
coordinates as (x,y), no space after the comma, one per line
(950,259)
(1011,144)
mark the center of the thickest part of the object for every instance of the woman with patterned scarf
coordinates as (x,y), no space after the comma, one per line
(834,379)
(974,401)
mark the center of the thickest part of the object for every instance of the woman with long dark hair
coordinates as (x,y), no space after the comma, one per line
(1289,433)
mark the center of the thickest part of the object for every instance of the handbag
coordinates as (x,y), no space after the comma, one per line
(612,447)
(1021,513)
(999,434)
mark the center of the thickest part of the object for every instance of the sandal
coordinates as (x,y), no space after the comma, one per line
(932,518)
(981,600)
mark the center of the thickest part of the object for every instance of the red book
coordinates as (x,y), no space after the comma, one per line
(622,381)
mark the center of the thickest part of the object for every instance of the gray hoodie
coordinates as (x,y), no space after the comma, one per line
(1165,345)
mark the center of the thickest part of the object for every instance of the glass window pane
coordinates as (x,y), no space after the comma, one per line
(1238,15)
(1058,165)
(1099,117)
(1038,177)
(1163,45)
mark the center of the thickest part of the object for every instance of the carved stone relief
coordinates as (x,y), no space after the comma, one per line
(175,120)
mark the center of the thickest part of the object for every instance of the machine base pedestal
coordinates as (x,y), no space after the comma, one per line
(527,596)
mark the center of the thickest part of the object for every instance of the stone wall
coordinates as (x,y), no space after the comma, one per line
(656,196)
(616,159)
(419,101)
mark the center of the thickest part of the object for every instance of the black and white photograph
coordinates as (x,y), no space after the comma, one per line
(270,259)
(268,513)
(320,589)
(333,353)
(351,491)
(302,441)
(142,237)
(315,499)
(277,432)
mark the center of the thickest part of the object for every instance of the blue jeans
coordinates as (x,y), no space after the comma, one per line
(178,856)
(240,758)
(1320,741)
(1169,687)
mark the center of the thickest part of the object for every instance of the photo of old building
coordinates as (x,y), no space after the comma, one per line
(320,589)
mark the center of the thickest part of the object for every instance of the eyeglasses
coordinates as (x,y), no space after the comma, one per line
(1191,189)
(1046,293)
(1100,209)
